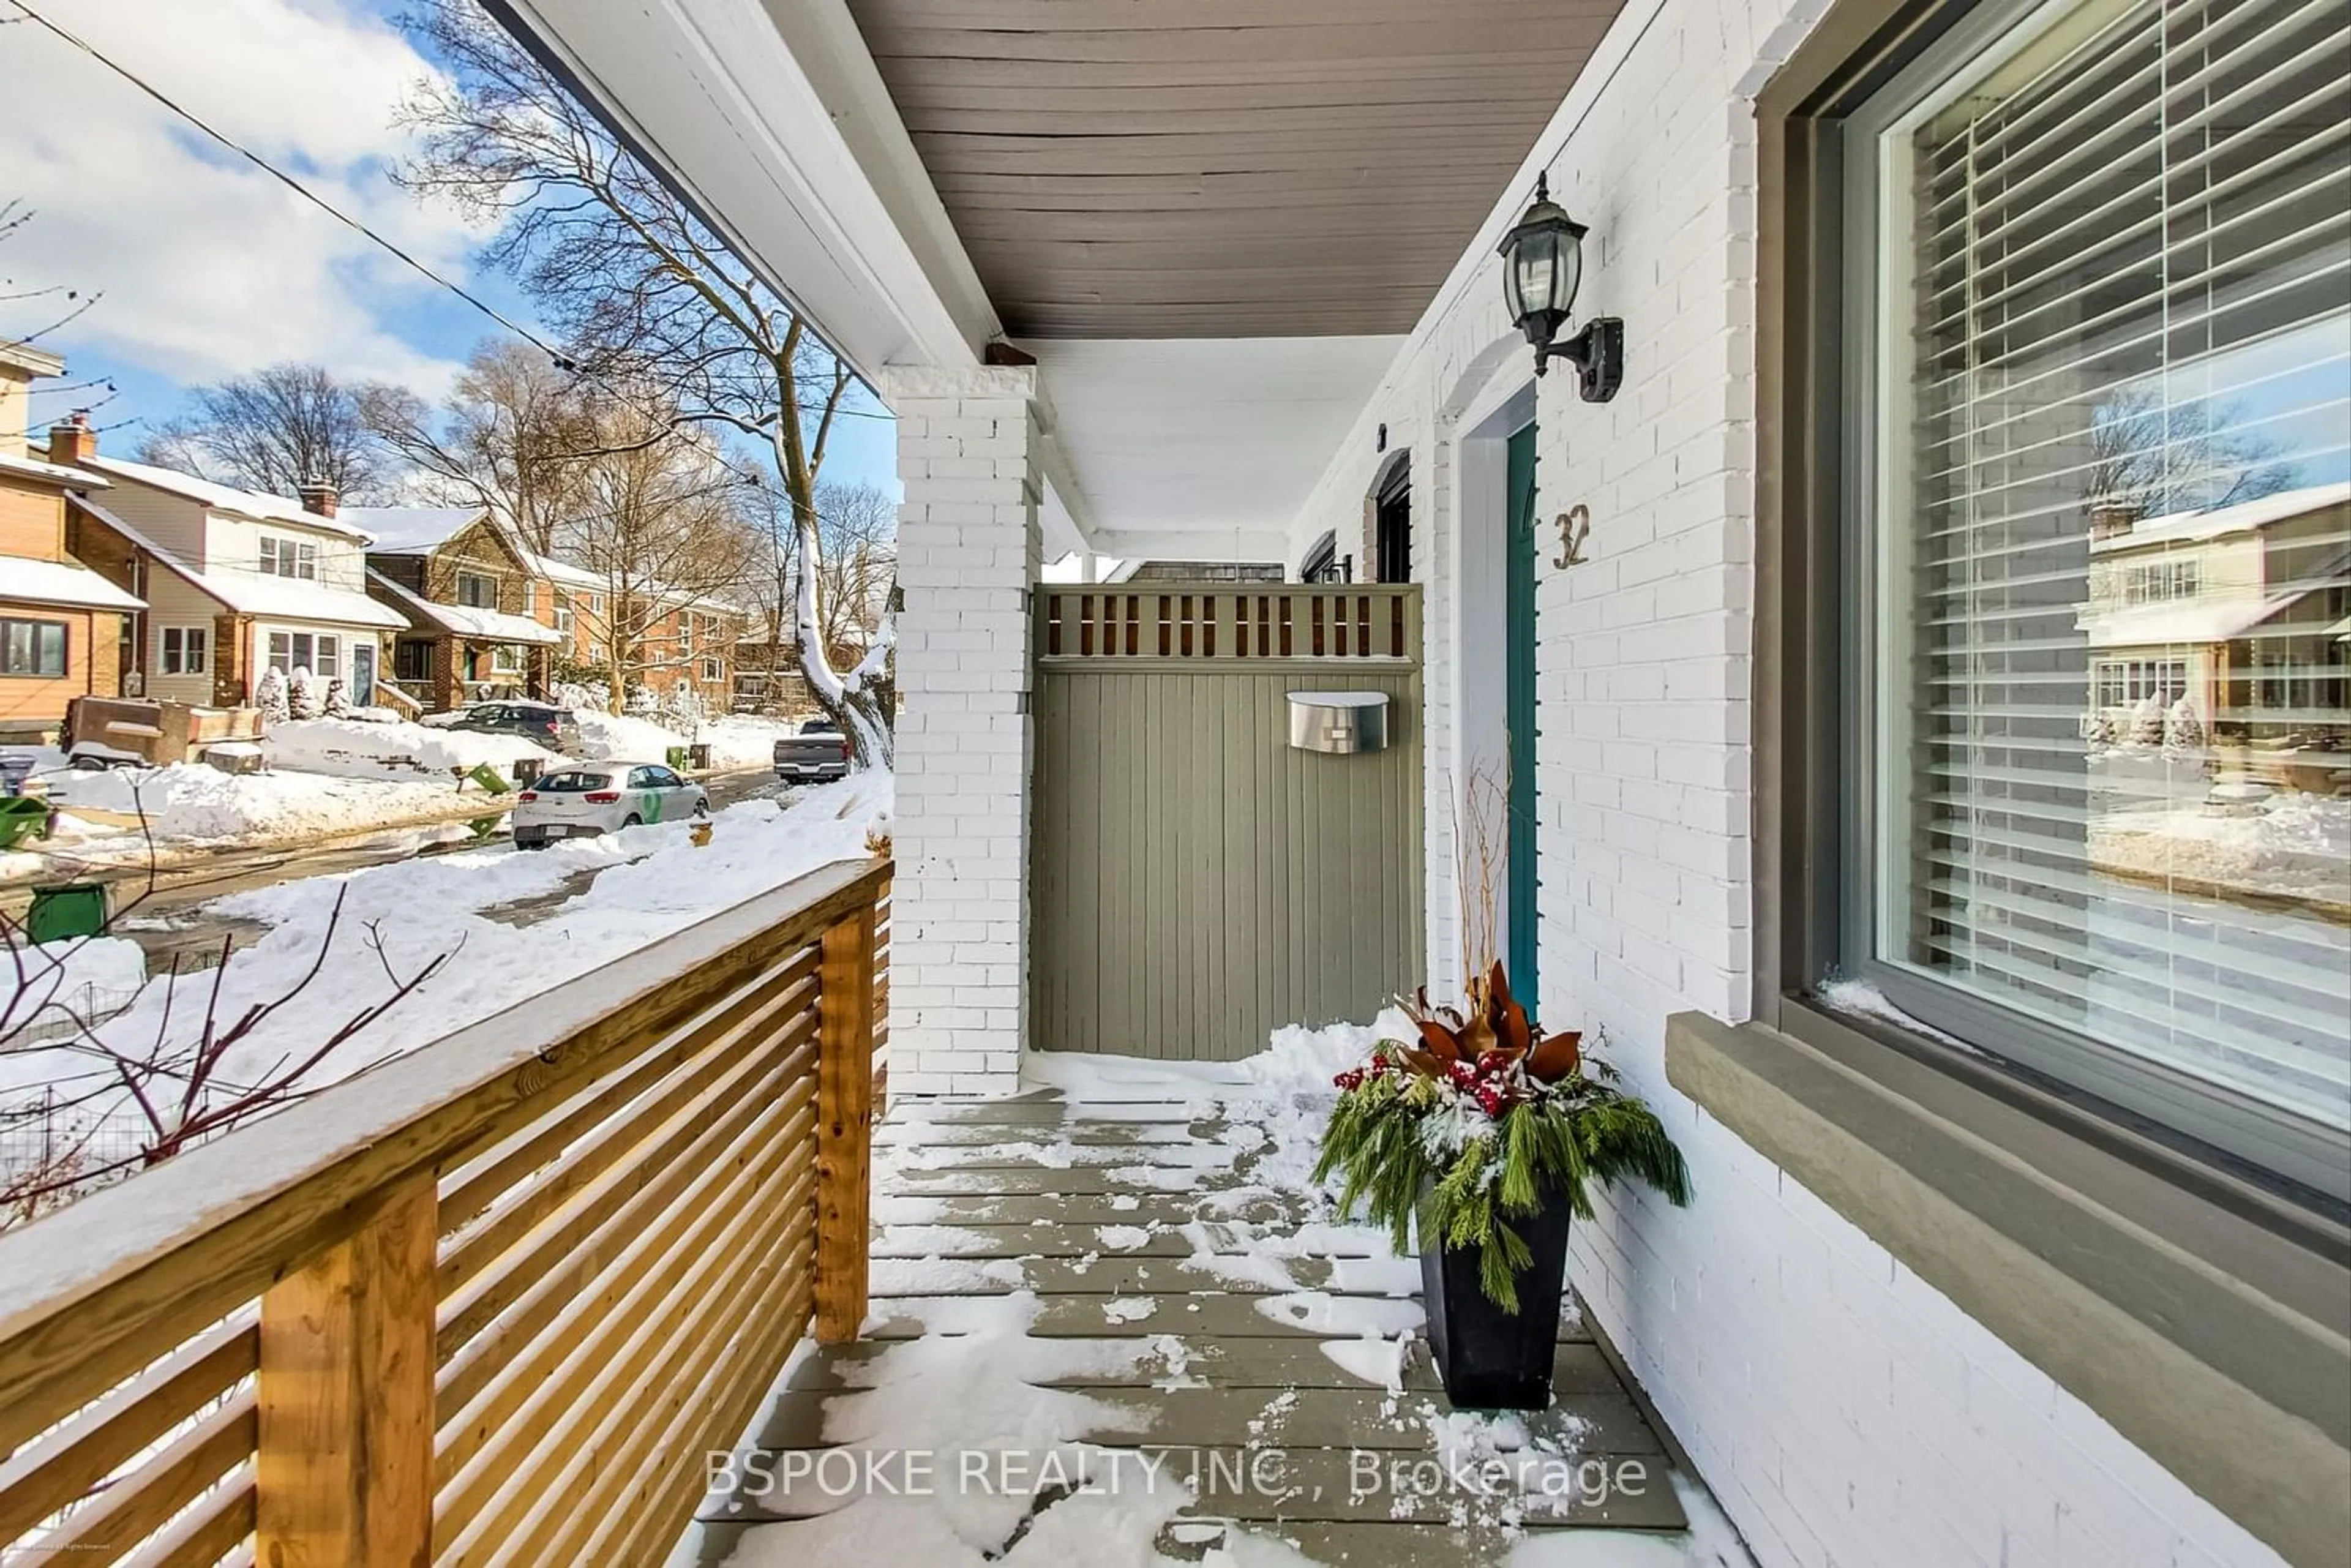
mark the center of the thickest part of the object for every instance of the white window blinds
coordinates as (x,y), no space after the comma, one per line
(2115,456)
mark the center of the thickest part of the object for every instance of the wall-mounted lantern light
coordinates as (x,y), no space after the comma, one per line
(1543,261)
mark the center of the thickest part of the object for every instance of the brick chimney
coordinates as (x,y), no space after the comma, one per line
(320,497)
(73,441)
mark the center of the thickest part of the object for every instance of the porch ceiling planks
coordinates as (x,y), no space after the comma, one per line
(1222,168)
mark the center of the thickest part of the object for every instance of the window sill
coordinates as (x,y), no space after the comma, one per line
(2208,1325)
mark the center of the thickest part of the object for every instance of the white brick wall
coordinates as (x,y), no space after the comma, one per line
(1844,1411)
(967,553)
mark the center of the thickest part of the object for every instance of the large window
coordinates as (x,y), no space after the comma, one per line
(476,590)
(2100,530)
(316,652)
(32,647)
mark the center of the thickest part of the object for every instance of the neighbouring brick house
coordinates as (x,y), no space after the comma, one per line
(236,581)
(61,625)
(481,619)
(678,639)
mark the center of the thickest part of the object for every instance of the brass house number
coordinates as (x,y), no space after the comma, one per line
(1574,527)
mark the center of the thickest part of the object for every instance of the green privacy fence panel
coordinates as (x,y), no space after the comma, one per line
(1197,883)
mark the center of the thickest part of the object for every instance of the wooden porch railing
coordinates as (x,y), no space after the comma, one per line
(492,1301)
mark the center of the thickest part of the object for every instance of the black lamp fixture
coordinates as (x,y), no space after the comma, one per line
(1543,261)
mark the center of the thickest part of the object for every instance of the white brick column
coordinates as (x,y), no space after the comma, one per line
(967,555)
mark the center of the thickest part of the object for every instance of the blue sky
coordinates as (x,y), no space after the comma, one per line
(207,267)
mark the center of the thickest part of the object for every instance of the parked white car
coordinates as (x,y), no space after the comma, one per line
(581,799)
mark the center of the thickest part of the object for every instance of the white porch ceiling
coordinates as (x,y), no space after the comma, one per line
(1202,448)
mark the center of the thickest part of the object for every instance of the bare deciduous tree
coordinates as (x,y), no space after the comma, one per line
(511,436)
(52,305)
(643,294)
(657,523)
(858,527)
(2161,457)
(275,430)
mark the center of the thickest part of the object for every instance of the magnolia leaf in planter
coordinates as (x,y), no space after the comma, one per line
(1556,1057)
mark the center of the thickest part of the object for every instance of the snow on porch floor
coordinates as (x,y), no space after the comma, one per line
(1117,1331)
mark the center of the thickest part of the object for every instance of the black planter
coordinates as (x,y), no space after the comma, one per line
(1490,1359)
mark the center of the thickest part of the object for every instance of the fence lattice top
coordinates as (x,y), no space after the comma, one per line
(1163,620)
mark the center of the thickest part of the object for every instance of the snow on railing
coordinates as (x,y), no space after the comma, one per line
(495,1298)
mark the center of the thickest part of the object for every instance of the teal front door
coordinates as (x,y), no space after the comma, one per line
(1519,687)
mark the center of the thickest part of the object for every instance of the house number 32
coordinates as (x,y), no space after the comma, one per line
(1574,527)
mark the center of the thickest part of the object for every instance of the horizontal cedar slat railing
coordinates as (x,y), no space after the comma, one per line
(491,1301)
(1186,622)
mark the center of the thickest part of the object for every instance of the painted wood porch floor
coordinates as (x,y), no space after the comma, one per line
(1197,1310)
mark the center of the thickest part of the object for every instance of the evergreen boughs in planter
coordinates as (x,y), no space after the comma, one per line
(1476,1124)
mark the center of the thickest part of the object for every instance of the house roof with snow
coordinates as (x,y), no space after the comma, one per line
(63,583)
(2187,528)
(48,473)
(251,504)
(465,619)
(563,572)
(2187,621)
(251,593)
(412,531)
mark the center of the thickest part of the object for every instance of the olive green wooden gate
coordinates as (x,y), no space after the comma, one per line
(1195,883)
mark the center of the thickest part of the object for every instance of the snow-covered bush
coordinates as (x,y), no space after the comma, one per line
(302,694)
(2183,727)
(2147,721)
(337,701)
(269,696)
(593,695)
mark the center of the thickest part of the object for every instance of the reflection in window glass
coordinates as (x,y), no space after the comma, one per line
(2116,481)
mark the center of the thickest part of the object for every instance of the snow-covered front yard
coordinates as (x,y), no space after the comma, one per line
(647,882)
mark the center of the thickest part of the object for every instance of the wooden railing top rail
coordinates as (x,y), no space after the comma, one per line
(1255,623)
(87,1295)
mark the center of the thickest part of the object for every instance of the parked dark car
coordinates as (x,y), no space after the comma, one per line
(551,726)
(819,751)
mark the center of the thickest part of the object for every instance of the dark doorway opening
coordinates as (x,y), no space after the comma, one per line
(1392,524)
(1323,563)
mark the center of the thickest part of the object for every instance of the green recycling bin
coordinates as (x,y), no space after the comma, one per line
(21,817)
(67,910)
(677,757)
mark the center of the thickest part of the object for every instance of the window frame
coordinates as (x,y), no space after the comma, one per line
(192,657)
(1813,799)
(40,624)
(282,555)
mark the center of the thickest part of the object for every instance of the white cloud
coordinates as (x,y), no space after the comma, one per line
(210,267)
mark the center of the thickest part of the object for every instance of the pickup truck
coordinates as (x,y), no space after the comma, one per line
(819,751)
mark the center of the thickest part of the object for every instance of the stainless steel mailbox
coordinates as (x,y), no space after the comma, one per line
(1339,722)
